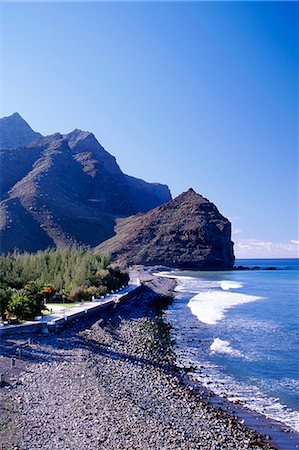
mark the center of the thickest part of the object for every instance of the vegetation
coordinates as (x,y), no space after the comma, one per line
(21,306)
(158,343)
(27,280)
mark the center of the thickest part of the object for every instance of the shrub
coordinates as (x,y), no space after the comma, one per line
(34,290)
(5,296)
(75,273)
(101,290)
(80,294)
(113,279)
(24,307)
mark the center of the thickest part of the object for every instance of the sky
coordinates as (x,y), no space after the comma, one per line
(190,94)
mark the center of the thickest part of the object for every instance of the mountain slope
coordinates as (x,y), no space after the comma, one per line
(15,132)
(156,194)
(187,232)
(64,189)
(55,195)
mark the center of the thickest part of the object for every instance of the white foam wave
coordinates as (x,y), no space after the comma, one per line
(210,306)
(222,346)
(226,285)
(196,285)
(186,283)
(248,394)
(189,290)
(251,396)
(172,275)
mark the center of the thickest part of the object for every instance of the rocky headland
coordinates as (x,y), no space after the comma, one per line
(187,233)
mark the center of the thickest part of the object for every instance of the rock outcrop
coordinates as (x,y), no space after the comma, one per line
(188,233)
(61,190)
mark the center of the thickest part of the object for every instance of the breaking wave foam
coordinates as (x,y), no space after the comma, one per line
(222,346)
(226,285)
(212,298)
(170,275)
(250,396)
(210,306)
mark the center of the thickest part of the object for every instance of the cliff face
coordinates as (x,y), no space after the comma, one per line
(187,232)
(63,189)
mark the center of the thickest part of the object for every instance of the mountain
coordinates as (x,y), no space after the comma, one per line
(15,132)
(61,190)
(188,233)
(139,195)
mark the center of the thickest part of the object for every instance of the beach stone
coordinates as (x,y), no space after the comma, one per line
(96,387)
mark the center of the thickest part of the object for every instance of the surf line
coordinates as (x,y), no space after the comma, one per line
(211,306)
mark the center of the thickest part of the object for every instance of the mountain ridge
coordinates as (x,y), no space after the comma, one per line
(66,189)
(64,186)
(15,132)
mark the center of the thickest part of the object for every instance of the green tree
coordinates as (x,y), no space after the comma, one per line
(69,270)
(24,307)
(5,296)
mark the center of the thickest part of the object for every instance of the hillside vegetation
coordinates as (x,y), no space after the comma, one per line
(28,279)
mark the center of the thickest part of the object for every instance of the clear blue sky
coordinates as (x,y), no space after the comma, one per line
(199,94)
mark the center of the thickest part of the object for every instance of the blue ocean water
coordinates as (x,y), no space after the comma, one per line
(240,329)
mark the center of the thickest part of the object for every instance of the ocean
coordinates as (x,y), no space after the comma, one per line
(240,330)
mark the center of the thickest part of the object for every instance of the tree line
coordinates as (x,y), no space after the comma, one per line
(72,274)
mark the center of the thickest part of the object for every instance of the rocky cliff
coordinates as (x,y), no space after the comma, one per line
(60,190)
(188,232)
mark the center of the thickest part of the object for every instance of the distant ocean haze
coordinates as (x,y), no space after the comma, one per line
(242,326)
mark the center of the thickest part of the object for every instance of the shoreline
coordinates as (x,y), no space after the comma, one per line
(125,354)
(282,436)
(279,435)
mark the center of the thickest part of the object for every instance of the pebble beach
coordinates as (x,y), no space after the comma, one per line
(111,382)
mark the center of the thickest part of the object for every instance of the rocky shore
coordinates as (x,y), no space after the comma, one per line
(111,382)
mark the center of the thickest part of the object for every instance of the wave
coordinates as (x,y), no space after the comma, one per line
(262,338)
(250,396)
(172,275)
(194,284)
(226,285)
(222,346)
(210,306)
